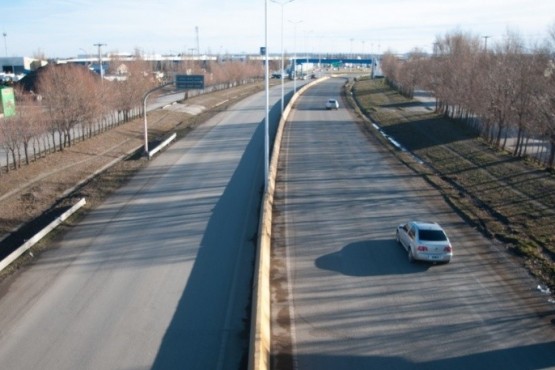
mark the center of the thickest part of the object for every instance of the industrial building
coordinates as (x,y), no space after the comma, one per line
(15,68)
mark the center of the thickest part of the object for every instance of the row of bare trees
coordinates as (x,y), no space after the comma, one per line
(70,100)
(505,91)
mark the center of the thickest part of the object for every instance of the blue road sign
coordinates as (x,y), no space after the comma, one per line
(189,82)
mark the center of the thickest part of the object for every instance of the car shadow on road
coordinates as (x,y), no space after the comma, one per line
(370,258)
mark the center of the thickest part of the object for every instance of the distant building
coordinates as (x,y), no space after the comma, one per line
(15,68)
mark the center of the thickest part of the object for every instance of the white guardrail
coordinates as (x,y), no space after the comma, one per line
(161,146)
(41,234)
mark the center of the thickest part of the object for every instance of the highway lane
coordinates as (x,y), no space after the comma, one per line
(159,276)
(345,295)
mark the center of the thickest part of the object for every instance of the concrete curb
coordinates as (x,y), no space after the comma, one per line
(260,337)
(37,237)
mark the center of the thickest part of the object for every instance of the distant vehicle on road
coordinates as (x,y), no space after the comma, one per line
(425,241)
(332,104)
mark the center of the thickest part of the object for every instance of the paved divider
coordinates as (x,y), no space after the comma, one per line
(260,336)
(35,239)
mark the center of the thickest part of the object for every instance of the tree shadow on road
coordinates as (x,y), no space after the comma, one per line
(525,357)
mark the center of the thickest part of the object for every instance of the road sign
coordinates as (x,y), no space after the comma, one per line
(7,101)
(189,82)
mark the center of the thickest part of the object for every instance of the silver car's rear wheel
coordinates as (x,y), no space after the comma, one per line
(411,257)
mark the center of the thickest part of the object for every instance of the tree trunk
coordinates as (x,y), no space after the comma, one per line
(518,146)
(53,142)
(551,152)
(14,158)
(61,137)
(68,137)
(26,152)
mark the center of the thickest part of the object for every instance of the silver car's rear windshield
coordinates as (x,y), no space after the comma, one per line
(432,235)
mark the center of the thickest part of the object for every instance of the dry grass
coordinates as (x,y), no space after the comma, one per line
(507,198)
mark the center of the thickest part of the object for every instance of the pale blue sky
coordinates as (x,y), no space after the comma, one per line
(65,28)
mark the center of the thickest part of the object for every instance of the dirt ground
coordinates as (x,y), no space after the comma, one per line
(31,196)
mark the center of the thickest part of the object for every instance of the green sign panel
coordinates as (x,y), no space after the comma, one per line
(7,101)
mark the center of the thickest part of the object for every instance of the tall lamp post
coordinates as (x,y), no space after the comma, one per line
(486,42)
(282,3)
(267,88)
(5,43)
(295,56)
(99,45)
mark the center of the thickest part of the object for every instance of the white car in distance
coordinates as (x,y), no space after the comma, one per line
(332,104)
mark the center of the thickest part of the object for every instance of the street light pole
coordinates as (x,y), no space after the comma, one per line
(282,3)
(486,42)
(267,88)
(295,56)
(99,45)
(5,43)
(145,122)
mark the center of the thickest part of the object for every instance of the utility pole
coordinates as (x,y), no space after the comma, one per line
(267,106)
(295,23)
(198,42)
(486,42)
(99,45)
(5,43)
(282,3)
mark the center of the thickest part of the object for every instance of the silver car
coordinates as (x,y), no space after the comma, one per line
(332,104)
(425,241)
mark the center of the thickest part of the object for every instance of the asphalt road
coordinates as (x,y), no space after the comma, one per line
(345,295)
(159,276)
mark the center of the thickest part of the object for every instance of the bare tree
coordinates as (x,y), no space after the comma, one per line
(11,141)
(411,73)
(545,101)
(27,120)
(69,97)
(130,92)
(391,65)
(508,89)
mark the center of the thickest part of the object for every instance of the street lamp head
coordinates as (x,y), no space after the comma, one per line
(282,2)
